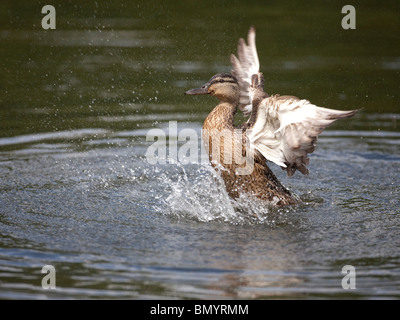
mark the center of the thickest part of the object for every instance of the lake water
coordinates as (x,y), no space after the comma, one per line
(77,192)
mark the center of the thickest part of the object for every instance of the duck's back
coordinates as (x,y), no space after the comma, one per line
(227,150)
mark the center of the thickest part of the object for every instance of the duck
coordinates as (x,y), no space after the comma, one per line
(280,129)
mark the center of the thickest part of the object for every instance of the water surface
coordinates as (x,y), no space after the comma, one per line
(77,192)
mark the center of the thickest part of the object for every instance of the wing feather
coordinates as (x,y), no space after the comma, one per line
(243,67)
(287,128)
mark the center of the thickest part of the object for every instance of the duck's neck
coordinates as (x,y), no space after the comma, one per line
(221,117)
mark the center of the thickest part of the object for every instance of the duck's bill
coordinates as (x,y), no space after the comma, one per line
(197,91)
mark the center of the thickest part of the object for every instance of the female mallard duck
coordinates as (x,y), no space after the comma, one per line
(281,129)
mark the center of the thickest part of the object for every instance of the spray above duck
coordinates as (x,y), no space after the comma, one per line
(280,129)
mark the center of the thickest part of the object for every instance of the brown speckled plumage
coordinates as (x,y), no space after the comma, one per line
(261,182)
(280,129)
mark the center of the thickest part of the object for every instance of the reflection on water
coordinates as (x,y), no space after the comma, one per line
(115,226)
(77,192)
(91,38)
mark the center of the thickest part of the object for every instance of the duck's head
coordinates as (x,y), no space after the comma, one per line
(224,86)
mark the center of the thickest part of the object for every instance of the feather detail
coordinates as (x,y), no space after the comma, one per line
(287,128)
(244,67)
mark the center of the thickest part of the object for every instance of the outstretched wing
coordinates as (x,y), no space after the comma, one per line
(287,128)
(244,67)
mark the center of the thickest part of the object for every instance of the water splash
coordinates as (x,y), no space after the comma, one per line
(199,193)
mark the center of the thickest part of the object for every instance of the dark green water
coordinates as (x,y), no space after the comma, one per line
(77,192)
